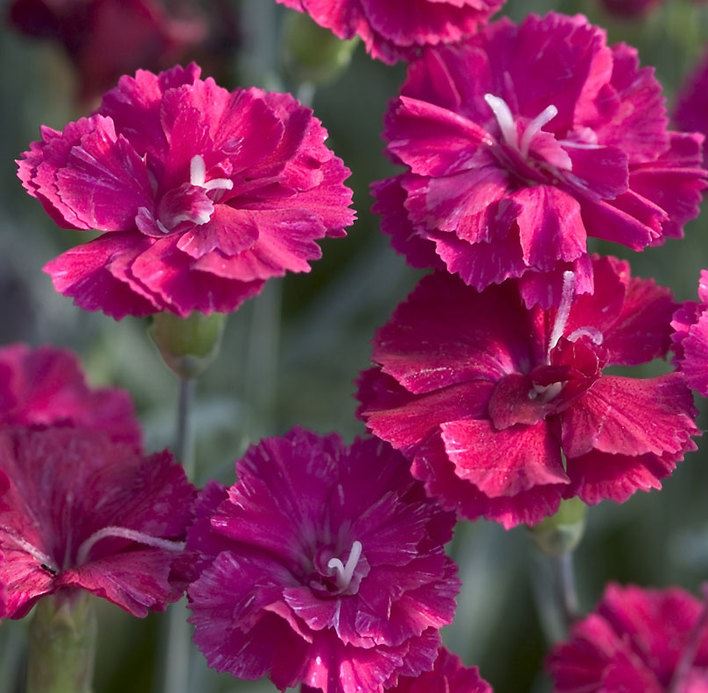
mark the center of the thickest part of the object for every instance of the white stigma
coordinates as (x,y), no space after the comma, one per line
(595,336)
(535,126)
(563,310)
(197,177)
(344,573)
(124,533)
(505,118)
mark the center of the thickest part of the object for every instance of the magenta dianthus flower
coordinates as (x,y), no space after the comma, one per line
(690,338)
(79,512)
(323,565)
(639,641)
(448,676)
(505,410)
(522,142)
(105,39)
(692,107)
(202,194)
(45,386)
(393,31)
(630,8)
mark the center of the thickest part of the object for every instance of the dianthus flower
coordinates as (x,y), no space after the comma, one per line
(448,676)
(630,8)
(523,141)
(46,386)
(690,338)
(322,565)
(79,512)
(108,38)
(692,108)
(393,31)
(505,410)
(203,194)
(639,641)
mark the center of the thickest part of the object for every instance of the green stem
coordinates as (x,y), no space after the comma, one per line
(557,537)
(178,647)
(62,641)
(184,439)
(567,588)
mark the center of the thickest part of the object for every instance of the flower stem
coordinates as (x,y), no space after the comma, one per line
(567,589)
(555,589)
(177,653)
(62,640)
(184,439)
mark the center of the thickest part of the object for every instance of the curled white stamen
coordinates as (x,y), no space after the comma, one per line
(197,176)
(505,118)
(535,126)
(596,337)
(197,171)
(33,551)
(563,310)
(344,573)
(124,533)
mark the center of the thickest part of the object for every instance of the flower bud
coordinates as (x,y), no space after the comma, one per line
(312,54)
(188,345)
(563,531)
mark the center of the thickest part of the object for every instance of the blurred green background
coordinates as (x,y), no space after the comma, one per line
(274,373)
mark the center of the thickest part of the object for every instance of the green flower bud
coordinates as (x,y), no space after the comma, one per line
(312,54)
(188,345)
(563,531)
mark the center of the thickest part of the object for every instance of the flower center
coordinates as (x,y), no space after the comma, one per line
(563,312)
(507,124)
(192,202)
(125,533)
(343,572)
(546,393)
(197,176)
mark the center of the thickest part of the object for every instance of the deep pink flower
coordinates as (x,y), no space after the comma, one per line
(692,107)
(690,338)
(398,30)
(525,140)
(634,642)
(505,410)
(322,565)
(630,8)
(108,38)
(203,194)
(448,676)
(46,386)
(78,511)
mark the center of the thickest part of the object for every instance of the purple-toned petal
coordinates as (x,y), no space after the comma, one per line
(506,462)
(628,416)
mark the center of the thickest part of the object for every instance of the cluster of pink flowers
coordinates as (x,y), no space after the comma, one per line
(509,412)
(202,194)
(324,565)
(81,507)
(637,640)
(105,39)
(395,31)
(524,141)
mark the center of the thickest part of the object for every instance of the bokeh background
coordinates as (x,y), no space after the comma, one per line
(291,356)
